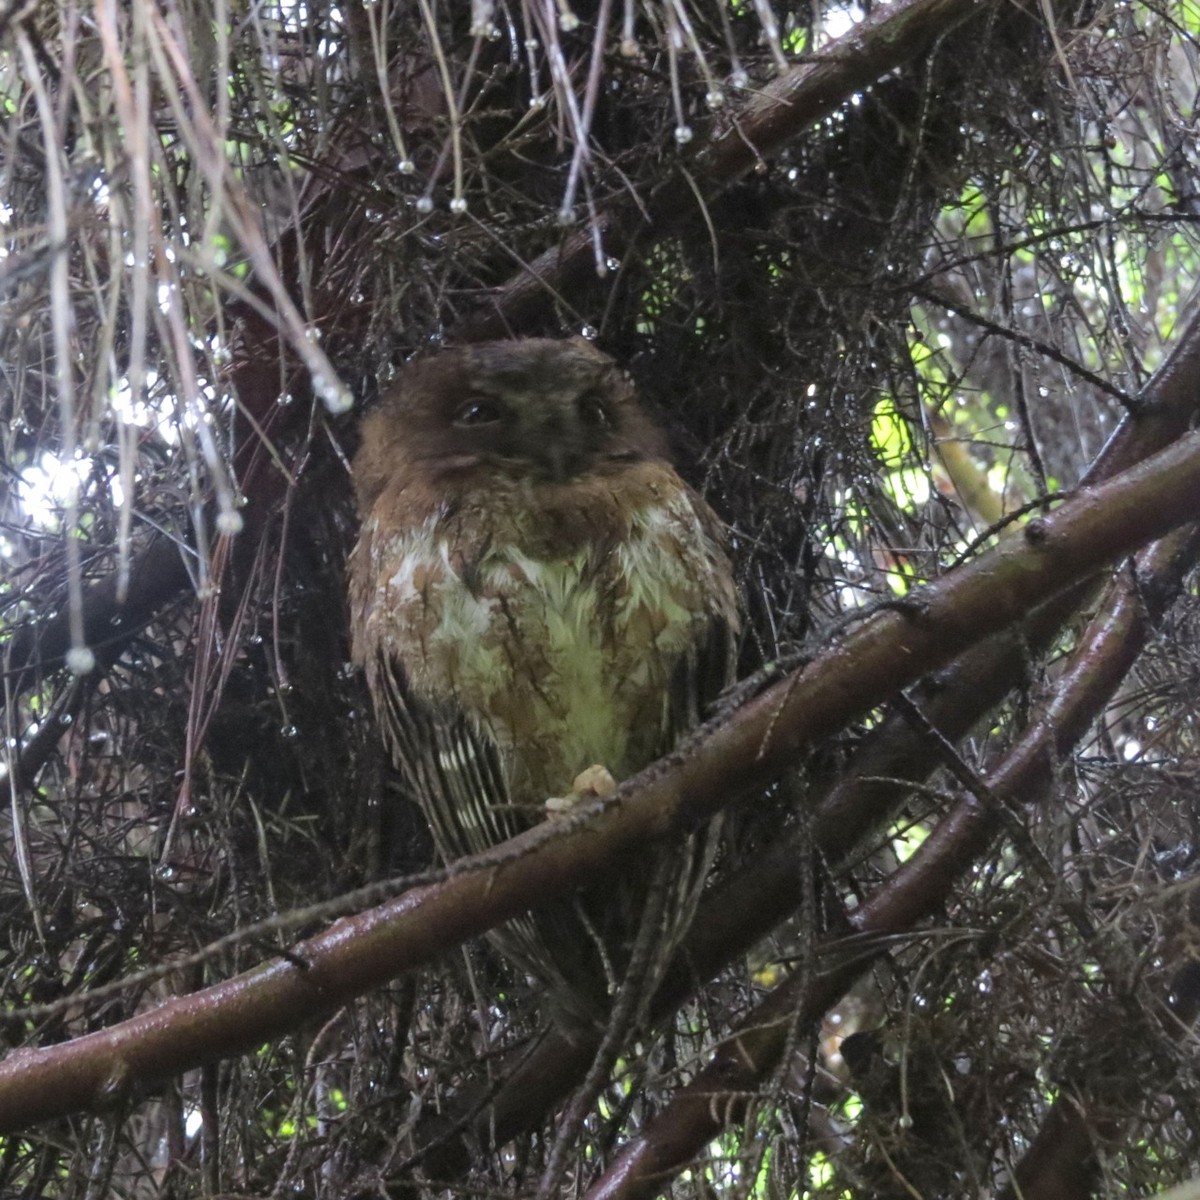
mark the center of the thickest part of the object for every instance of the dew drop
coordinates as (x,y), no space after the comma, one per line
(229,522)
(80,660)
(334,394)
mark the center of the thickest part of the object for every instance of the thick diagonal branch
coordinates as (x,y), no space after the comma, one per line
(725,761)
(917,890)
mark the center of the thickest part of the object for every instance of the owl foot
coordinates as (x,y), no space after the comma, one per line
(590,784)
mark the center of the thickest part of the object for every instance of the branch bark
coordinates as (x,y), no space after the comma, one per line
(773,115)
(918,889)
(862,799)
(156,576)
(728,759)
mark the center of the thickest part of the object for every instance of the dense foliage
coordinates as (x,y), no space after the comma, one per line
(891,277)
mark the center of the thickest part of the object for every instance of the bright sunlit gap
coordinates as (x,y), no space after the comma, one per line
(837,21)
(51,485)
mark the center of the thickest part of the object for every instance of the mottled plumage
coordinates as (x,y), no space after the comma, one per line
(535,591)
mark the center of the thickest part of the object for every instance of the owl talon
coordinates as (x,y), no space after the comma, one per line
(594,781)
(589,784)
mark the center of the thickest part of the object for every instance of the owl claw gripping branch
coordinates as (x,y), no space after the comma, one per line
(536,591)
(591,784)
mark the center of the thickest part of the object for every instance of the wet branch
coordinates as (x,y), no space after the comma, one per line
(917,890)
(728,759)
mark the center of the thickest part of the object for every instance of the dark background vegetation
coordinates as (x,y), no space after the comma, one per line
(891,277)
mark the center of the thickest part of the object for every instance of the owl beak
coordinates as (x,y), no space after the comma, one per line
(559,447)
(557,465)
(561,462)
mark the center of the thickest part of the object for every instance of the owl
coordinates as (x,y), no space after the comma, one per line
(541,605)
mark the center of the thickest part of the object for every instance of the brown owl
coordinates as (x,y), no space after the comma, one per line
(539,601)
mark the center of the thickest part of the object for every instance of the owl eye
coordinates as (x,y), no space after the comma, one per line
(478,412)
(594,411)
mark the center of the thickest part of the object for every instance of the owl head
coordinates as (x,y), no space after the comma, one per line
(540,410)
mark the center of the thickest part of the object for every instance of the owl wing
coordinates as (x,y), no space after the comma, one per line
(451,765)
(708,667)
(700,676)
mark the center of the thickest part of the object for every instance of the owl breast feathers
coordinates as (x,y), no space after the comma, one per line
(535,589)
